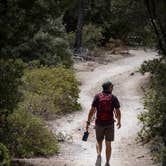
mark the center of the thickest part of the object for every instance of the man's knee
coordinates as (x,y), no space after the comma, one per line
(99,143)
(108,144)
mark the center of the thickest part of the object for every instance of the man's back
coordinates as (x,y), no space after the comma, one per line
(105,104)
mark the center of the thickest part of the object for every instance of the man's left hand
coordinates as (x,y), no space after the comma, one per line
(87,126)
(118,125)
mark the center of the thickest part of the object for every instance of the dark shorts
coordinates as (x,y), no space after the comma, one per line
(106,132)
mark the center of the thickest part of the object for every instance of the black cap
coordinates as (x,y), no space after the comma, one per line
(106,85)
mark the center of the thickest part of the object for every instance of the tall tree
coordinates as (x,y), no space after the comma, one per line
(156,10)
(80,19)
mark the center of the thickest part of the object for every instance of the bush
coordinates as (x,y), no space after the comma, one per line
(4,156)
(11,72)
(40,34)
(153,120)
(92,36)
(164,156)
(51,90)
(71,39)
(142,37)
(27,136)
(49,46)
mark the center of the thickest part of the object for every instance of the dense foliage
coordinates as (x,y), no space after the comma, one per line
(126,20)
(51,90)
(156,12)
(11,71)
(92,36)
(130,23)
(27,136)
(45,91)
(4,156)
(154,118)
(32,34)
(33,30)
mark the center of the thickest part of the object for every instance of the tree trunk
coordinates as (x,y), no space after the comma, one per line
(157,25)
(78,40)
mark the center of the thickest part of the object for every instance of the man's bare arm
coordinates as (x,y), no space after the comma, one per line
(118,117)
(90,115)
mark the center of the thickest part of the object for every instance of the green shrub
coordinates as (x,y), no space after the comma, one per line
(40,34)
(11,72)
(49,45)
(92,36)
(71,39)
(51,90)
(164,156)
(4,156)
(27,136)
(154,118)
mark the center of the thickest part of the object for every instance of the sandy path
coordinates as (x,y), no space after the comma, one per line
(128,89)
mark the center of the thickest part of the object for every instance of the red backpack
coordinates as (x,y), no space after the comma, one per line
(104,112)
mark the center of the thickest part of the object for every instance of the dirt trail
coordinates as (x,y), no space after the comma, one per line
(128,89)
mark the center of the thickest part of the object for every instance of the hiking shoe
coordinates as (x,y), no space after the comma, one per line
(107,164)
(98,160)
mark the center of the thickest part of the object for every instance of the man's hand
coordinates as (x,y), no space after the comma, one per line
(87,126)
(117,113)
(90,115)
(118,125)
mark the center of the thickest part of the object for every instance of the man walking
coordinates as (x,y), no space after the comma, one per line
(106,106)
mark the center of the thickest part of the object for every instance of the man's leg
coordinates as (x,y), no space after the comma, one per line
(108,151)
(109,137)
(99,138)
(99,147)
